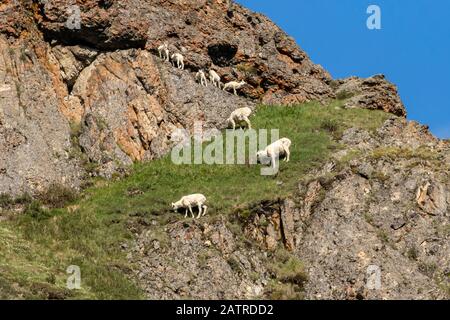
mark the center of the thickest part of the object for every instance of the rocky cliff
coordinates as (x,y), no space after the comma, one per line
(381,202)
(77,103)
(90,101)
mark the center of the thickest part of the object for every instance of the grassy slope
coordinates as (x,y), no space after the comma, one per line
(40,245)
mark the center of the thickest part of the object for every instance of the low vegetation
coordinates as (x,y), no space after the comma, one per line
(289,276)
(61,228)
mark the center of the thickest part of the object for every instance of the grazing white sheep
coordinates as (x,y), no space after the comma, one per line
(193,200)
(240,115)
(234,85)
(179,60)
(214,78)
(279,148)
(200,76)
(163,51)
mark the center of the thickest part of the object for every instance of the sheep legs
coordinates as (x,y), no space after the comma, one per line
(233,124)
(201,213)
(192,213)
(248,122)
(274,160)
(288,154)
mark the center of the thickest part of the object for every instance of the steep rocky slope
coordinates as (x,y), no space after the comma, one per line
(372,211)
(381,202)
(82,103)
(90,101)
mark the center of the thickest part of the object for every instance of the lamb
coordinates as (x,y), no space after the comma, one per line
(163,51)
(240,115)
(214,78)
(179,60)
(234,85)
(275,150)
(187,202)
(200,76)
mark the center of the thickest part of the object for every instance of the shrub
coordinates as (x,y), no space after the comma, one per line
(344,94)
(290,277)
(334,84)
(23,199)
(234,264)
(329,125)
(290,271)
(57,196)
(35,211)
(5,200)
(412,253)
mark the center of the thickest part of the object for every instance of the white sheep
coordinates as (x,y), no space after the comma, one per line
(200,76)
(163,51)
(279,148)
(234,85)
(240,115)
(179,60)
(193,200)
(214,78)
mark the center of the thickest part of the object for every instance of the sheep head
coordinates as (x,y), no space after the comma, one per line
(175,206)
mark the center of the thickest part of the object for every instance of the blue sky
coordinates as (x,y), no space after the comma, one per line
(412,49)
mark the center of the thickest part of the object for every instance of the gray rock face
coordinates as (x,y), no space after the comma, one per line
(215,34)
(148,100)
(360,227)
(72,60)
(197,261)
(34,134)
(123,104)
(370,217)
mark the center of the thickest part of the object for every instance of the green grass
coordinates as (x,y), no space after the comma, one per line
(228,186)
(289,276)
(42,243)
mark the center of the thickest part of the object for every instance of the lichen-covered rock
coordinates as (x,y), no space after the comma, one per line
(370,218)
